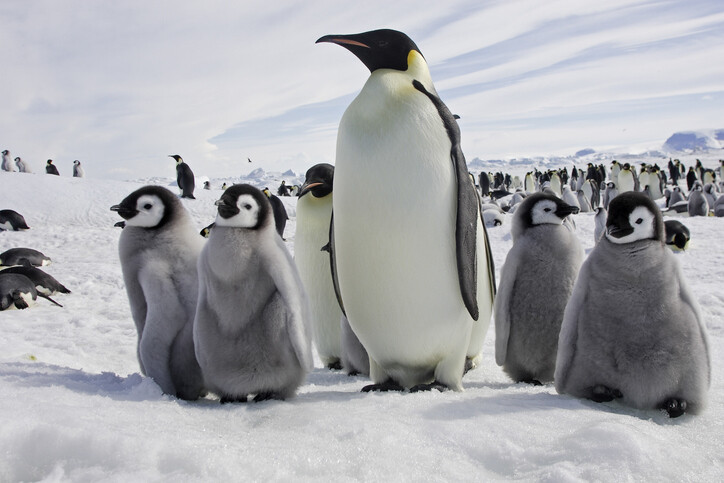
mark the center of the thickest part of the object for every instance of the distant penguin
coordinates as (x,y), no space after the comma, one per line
(698,205)
(493,218)
(206,231)
(78,171)
(18,292)
(17,256)
(615,170)
(314,213)
(600,223)
(644,342)
(429,313)
(184,177)
(207,185)
(677,235)
(44,283)
(676,197)
(626,180)
(283,189)
(719,206)
(11,220)
(280,212)
(556,183)
(610,193)
(590,189)
(484,182)
(51,169)
(251,323)
(710,194)
(223,186)
(691,178)
(529,183)
(22,166)
(355,360)
(584,202)
(569,197)
(158,250)
(7,164)
(535,283)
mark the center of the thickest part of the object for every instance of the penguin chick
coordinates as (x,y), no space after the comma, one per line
(413,266)
(184,177)
(158,250)
(697,205)
(250,327)
(600,223)
(535,283)
(314,215)
(644,341)
(677,235)
(78,171)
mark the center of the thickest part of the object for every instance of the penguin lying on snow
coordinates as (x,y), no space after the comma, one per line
(677,235)
(250,328)
(535,283)
(158,250)
(17,256)
(18,291)
(44,283)
(644,342)
(11,220)
(419,297)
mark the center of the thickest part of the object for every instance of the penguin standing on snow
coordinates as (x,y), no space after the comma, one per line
(280,212)
(184,177)
(51,169)
(535,283)
(644,342)
(158,249)
(413,266)
(600,223)
(78,171)
(314,214)
(7,164)
(698,205)
(250,329)
(22,166)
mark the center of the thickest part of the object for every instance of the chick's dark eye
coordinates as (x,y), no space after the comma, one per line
(546,210)
(247,206)
(639,221)
(147,206)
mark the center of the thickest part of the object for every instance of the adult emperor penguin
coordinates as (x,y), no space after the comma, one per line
(50,168)
(18,256)
(535,283)
(251,322)
(7,164)
(279,211)
(529,183)
(414,266)
(78,171)
(644,342)
(11,220)
(158,249)
(626,179)
(314,214)
(44,283)
(184,177)
(677,235)
(18,291)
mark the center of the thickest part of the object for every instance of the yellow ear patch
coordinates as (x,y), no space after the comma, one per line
(414,58)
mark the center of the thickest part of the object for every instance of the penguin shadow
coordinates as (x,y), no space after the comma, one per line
(133,387)
(322,376)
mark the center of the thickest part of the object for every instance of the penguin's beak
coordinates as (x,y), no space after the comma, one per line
(343,40)
(564,210)
(226,210)
(124,212)
(618,231)
(307,187)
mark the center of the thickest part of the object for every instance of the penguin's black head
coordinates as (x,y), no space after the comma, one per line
(244,206)
(543,208)
(178,158)
(318,180)
(377,49)
(6,151)
(50,161)
(148,207)
(633,216)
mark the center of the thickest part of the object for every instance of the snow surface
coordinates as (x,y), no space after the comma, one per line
(75,407)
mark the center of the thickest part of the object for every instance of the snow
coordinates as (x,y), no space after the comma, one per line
(75,407)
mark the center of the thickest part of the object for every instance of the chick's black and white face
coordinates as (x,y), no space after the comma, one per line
(544,212)
(640,227)
(244,213)
(150,210)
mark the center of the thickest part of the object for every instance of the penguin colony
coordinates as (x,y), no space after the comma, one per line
(233,314)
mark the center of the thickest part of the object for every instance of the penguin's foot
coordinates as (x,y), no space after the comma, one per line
(225,399)
(20,303)
(429,387)
(469,365)
(353,373)
(674,407)
(602,393)
(532,382)
(335,366)
(268,396)
(386,386)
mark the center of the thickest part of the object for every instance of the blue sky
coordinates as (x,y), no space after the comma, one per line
(120,85)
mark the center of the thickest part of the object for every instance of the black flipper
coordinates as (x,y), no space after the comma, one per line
(329,248)
(49,299)
(468,212)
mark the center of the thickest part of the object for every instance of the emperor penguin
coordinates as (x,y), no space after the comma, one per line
(719,206)
(676,197)
(250,329)
(644,342)
(677,235)
(44,283)
(584,202)
(50,168)
(600,223)
(535,283)
(414,266)
(184,177)
(7,164)
(22,166)
(314,215)
(529,183)
(78,171)
(610,193)
(18,292)
(555,183)
(710,194)
(18,256)
(279,211)
(569,197)
(626,180)
(698,205)
(615,170)
(11,220)
(158,250)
